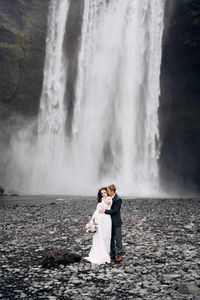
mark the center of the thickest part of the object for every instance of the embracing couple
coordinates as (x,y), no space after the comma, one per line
(107,241)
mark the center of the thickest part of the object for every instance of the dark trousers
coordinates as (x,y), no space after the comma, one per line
(116,241)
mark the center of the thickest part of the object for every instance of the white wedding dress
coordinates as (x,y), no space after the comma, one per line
(100,251)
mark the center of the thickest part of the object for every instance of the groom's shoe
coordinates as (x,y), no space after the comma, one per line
(119,258)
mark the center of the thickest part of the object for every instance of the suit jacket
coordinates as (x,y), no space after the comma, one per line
(115,211)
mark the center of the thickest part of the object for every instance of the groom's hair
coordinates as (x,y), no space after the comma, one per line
(112,187)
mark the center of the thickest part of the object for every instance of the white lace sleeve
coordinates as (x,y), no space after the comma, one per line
(108,206)
(99,205)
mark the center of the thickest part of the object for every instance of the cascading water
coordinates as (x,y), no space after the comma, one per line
(52,117)
(116,120)
(114,124)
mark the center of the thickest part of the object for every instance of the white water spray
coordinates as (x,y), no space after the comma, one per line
(51,147)
(114,136)
(116,112)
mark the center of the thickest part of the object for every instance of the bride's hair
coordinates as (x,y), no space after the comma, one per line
(99,196)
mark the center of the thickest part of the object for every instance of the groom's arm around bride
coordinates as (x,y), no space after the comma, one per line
(115,211)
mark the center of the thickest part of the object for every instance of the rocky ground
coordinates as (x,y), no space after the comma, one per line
(161,251)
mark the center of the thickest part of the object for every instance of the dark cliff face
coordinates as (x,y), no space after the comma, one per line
(23,26)
(22,50)
(180,97)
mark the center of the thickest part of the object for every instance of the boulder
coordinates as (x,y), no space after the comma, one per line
(166,278)
(187,288)
(1,190)
(60,256)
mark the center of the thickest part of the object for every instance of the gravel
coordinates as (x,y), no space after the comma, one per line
(161,257)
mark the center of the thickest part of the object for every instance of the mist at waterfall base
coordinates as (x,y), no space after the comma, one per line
(109,133)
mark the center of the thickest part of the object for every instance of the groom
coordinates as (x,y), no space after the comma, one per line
(116,239)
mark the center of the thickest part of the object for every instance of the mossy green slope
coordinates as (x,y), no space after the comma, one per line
(22,49)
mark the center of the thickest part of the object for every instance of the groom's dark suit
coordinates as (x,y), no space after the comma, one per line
(116,225)
(115,211)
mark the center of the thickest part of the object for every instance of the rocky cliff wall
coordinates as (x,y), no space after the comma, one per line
(180,97)
(22,50)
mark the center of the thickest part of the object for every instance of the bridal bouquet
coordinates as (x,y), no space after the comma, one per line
(92,226)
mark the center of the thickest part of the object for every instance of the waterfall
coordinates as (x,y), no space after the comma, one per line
(114,135)
(117,95)
(52,115)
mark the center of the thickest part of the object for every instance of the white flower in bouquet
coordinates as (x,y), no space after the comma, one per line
(92,226)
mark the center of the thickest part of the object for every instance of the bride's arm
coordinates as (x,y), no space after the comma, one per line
(116,208)
(108,200)
(107,204)
(96,211)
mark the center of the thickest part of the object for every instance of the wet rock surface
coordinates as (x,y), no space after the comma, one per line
(59,257)
(1,190)
(161,251)
(23,26)
(179,122)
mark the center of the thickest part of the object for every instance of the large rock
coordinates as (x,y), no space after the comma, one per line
(1,190)
(187,288)
(166,278)
(60,256)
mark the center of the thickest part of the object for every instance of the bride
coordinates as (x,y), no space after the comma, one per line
(100,251)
